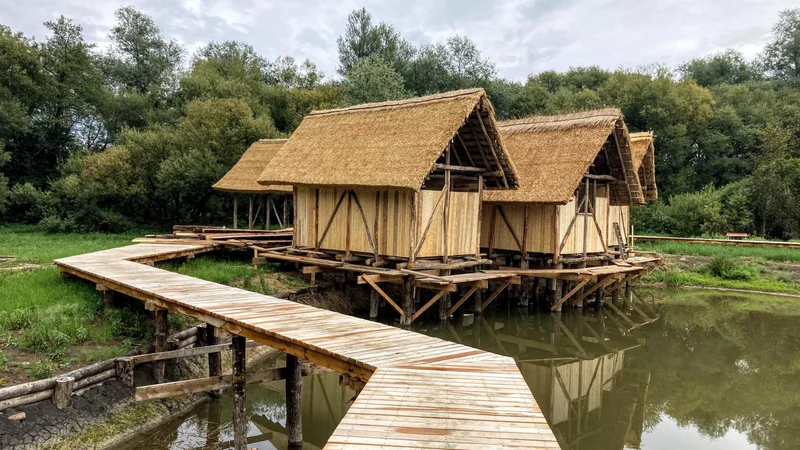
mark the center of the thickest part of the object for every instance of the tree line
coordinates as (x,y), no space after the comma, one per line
(136,133)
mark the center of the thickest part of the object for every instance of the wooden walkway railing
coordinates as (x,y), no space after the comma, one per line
(421,392)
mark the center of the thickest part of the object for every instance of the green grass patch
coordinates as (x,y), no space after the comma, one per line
(711,250)
(676,277)
(31,244)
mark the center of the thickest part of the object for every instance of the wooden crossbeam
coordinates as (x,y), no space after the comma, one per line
(463,299)
(496,293)
(460,168)
(600,284)
(368,279)
(371,241)
(569,294)
(597,226)
(511,229)
(430,303)
(183,353)
(571,224)
(430,221)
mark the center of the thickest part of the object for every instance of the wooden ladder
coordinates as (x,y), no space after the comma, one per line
(621,244)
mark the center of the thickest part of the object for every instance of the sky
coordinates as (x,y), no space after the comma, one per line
(520,36)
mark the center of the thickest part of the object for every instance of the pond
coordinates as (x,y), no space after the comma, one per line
(683,369)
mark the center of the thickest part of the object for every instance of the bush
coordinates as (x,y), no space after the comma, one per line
(724,267)
(28,204)
(40,370)
(17,319)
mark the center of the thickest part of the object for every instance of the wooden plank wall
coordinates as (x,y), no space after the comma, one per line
(540,227)
(574,242)
(393,208)
(463,226)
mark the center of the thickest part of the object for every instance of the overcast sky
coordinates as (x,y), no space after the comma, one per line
(520,36)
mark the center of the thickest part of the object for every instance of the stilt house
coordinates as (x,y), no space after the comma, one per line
(394,180)
(573,169)
(644,157)
(243,179)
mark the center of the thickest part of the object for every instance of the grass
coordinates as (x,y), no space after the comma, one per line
(51,324)
(710,250)
(32,245)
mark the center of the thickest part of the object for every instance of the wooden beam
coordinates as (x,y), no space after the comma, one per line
(459,168)
(599,177)
(495,294)
(430,303)
(348,224)
(368,279)
(492,229)
(330,220)
(446,211)
(597,225)
(372,244)
(569,227)
(240,421)
(480,217)
(494,153)
(600,284)
(463,299)
(183,353)
(430,220)
(294,401)
(511,229)
(569,335)
(570,294)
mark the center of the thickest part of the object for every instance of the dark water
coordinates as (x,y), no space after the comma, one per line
(688,370)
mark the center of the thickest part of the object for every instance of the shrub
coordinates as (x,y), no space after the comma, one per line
(724,267)
(40,370)
(17,319)
(28,204)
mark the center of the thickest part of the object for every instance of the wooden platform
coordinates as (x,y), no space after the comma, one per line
(422,392)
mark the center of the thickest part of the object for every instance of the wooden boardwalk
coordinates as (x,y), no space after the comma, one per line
(422,392)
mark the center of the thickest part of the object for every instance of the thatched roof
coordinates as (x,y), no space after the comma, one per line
(644,157)
(393,144)
(243,176)
(552,153)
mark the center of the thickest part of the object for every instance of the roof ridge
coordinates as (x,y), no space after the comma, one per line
(401,103)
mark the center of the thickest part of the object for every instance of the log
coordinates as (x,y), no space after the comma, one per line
(49,384)
(240,421)
(181,353)
(25,399)
(94,379)
(294,401)
(186,333)
(124,370)
(62,393)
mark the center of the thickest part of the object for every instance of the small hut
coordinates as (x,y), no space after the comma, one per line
(400,180)
(242,179)
(573,169)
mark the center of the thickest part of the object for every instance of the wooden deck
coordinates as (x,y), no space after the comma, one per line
(422,392)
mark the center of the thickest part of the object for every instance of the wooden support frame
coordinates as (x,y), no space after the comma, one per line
(600,284)
(494,294)
(570,294)
(463,299)
(369,280)
(427,305)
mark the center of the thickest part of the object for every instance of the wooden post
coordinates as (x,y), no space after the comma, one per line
(294,401)
(250,214)
(124,369)
(235,211)
(586,219)
(408,299)
(268,206)
(214,359)
(160,343)
(285,210)
(413,228)
(446,211)
(108,298)
(239,405)
(444,302)
(480,217)
(348,224)
(601,293)
(62,392)
(373,303)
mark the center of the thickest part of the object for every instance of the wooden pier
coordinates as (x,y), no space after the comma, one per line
(421,392)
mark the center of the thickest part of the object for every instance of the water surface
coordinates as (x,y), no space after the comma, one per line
(684,369)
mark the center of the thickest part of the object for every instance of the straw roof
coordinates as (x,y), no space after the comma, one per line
(391,144)
(552,153)
(243,176)
(644,157)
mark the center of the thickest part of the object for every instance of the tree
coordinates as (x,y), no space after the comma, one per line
(728,67)
(285,72)
(457,64)
(140,58)
(372,80)
(362,39)
(781,57)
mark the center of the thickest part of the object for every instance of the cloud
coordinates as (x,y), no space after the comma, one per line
(520,36)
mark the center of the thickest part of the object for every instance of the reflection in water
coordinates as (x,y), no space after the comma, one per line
(713,372)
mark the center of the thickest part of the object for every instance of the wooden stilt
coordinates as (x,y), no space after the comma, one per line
(250,214)
(214,359)
(285,221)
(478,296)
(160,343)
(239,405)
(266,212)
(444,302)
(374,299)
(294,401)
(235,211)
(269,205)
(408,299)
